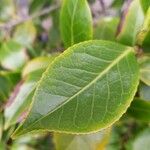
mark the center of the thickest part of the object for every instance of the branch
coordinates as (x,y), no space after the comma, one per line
(13,23)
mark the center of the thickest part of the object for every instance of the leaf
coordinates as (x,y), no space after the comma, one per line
(25,34)
(145,5)
(144,92)
(131,23)
(75,22)
(36,5)
(143,38)
(8,80)
(145,69)
(12,55)
(106,29)
(85,89)
(142,141)
(140,110)
(23,97)
(38,63)
(95,141)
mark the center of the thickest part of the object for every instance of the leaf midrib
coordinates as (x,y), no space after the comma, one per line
(72,21)
(120,57)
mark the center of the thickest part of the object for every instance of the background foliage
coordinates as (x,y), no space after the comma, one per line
(34,32)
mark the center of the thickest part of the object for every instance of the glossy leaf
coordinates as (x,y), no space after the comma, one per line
(140,110)
(25,34)
(144,92)
(95,141)
(39,63)
(143,38)
(33,72)
(12,55)
(131,23)
(106,29)
(85,89)
(75,22)
(145,69)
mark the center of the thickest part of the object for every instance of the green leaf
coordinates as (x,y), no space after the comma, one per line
(36,5)
(144,91)
(145,69)
(25,34)
(143,38)
(131,23)
(145,5)
(140,110)
(12,55)
(33,72)
(75,22)
(37,64)
(142,141)
(8,80)
(95,141)
(85,89)
(106,29)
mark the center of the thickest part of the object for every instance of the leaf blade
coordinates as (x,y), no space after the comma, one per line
(67,103)
(75,22)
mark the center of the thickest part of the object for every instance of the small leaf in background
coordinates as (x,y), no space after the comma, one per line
(106,29)
(75,22)
(36,5)
(95,141)
(32,74)
(131,23)
(140,110)
(25,34)
(145,69)
(142,141)
(8,80)
(143,38)
(145,5)
(12,55)
(144,92)
(85,89)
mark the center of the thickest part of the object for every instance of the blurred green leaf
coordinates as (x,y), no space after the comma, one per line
(95,141)
(145,4)
(36,5)
(143,38)
(144,92)
(75,22)
(142,141)
(131,23)
(117,4)
(25,34)
(32,74)
(145,69)
(12,55)
(140,110)
(106,29)
(7,82)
